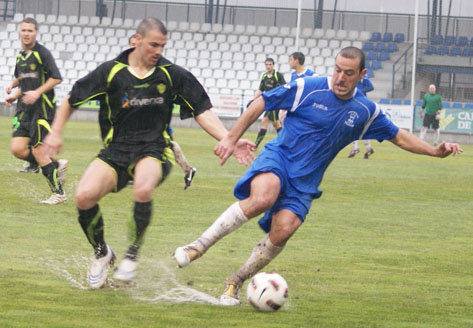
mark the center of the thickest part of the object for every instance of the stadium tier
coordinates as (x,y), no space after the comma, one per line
(227,59)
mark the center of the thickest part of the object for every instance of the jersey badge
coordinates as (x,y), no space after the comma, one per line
(351,119)
(161,88)
(125,102)
(33,67)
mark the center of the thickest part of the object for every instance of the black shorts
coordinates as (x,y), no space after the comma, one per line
(123,161)
(272,115)
(429,120)
(36,129)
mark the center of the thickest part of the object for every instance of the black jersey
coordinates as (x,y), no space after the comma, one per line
(270,82)
(33,69)
(133,110)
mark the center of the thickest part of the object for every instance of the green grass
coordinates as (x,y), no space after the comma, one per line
(388,245)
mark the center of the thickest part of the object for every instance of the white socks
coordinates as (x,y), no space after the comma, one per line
(436,136)
(423,130)
(227,222)
(262,254)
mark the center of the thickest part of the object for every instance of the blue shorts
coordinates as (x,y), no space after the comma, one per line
(289,198)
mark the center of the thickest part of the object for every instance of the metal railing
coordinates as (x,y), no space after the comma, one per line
(401,64)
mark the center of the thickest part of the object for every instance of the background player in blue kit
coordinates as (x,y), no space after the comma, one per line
(324,115)
(365,86)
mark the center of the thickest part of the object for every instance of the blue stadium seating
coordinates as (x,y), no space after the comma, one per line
(457,105)
(442,51)
(462,41)
(392,47)
(376,64)
(380,46)
(367,46)
(371,55)
(383,56)
(455,51)
(445,104)
(437,40)
(396,102)
(430,50)
(467,52)
(388,37)
(399,37)
(468,106)
(384,101)
(419,102)
(407,102)
(450,40)
(375,37)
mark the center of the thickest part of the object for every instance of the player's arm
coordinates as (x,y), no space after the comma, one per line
(410,142)
(9,100)
(31,96)
(226,146)
(13,85)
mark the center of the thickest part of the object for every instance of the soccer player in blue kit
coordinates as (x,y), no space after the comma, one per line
(324,115)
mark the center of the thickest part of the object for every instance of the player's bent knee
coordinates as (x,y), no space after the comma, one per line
(85,199)
(143,193)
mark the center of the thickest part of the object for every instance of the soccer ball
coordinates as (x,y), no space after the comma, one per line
(267,291)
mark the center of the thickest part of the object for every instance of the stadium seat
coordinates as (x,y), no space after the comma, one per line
(227,28)
(216,28)
(442,51)
(376,64)
(72,20)
(468,106)
(430,50)
(368,46)
(334,44)
(261,30)
(71,47)
(384,101)
(265,40)
(369,73)
(450,40)
(437,40)
(383,56)
(40,18)
(128,23)
(371,55)
(342,34)
(330,34)
(17,18)
(117,22)
(318,33)
(375,37)
(194,27)
(471,42)
(445,104)
(419,102)
(406,102)
(239,29)
(388,37)
(396,102)
(399,38)
(455,51)
(467,52)
(11,27)
(380,46)
(462,41)
(392,47)
(306,32)
(83,20)
(457,105)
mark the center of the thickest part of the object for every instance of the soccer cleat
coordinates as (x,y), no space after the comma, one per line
(353,153)
(230,294)
(188,177)
(99,269)
(126,271)
(30,168)
(55,199)
(368,153)
(63,165)
(185,255)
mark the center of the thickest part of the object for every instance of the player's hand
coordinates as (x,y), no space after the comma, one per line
(243,151)
(8,89)
(9,100)
(420,114)
(30,97)
(53,143)
(446,148)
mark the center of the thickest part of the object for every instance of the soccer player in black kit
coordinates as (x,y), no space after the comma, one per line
(36,74)
(271,79)
(136,91)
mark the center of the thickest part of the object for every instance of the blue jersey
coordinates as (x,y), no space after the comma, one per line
(318,125)
(307,72)
(365,86)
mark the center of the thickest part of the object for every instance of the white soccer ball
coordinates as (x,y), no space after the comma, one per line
(267,291)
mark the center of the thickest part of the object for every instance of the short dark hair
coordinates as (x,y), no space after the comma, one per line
(269,59)
(30,20)
(299,56)
(151,23)
(352,53)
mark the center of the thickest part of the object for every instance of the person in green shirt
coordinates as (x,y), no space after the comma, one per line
(432,105)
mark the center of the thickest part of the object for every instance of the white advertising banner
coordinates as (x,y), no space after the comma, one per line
(401,115)
(226,105)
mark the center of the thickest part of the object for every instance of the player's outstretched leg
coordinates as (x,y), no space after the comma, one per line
(228,221)
(354,150)
(369,149)
(58,195)
(126,271)
(91,222)
(263,253)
